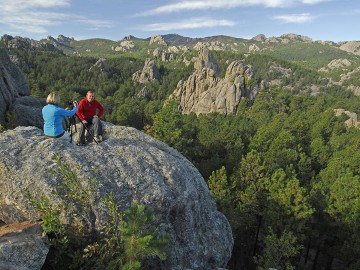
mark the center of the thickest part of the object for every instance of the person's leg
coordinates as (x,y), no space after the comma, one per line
(82,134)
(97,126)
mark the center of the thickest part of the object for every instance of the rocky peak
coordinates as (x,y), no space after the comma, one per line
(134,167)
(129,37)
(205,60)
(203,92)
(63,39)
(149,72)
(158,40)
(295,37)
(260,38)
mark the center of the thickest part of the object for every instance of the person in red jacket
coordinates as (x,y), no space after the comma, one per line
(89,112)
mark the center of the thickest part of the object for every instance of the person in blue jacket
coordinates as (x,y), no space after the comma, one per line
(53,116)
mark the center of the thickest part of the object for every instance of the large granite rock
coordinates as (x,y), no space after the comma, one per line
(15,96)
(149,72)
(203,92)
(132,165)
(23,247)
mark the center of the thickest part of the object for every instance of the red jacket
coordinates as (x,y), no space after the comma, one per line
(89,109)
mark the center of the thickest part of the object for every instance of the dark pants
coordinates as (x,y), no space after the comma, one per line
(95,124)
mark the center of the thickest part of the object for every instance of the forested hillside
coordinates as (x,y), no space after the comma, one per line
(284,169)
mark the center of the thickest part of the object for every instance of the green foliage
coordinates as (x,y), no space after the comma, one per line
(125,240)
(279,251)
(11,120)
(2,128)
(220,188)
(129,237)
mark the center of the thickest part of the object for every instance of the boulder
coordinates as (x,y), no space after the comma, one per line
(22,247)
(135,167)
(15,99)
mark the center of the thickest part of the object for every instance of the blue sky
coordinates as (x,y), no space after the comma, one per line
(335,20)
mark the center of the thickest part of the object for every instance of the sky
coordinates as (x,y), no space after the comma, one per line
(326,20)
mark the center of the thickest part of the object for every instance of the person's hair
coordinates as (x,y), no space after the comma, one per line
(90,91)
(53,98)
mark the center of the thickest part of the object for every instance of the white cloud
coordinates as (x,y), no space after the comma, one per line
(295,18)
(226,4)
(16,6)
(188,24)
(314,2)
(33,16)
(97,23)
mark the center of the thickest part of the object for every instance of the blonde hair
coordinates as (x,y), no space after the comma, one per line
(53,98)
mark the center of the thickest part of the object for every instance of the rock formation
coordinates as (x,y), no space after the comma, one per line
(213,46)
(22,247)
(203,92)
(351,47)
(259,38)
(206,60)
(158,40)
(149,72)
(101,64)
(14,95)
(135,167)
(163,55)
(124,46)
(353,119)
(335,64)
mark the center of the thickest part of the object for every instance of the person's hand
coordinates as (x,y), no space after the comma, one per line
(75,103)
(96,116)
(84,121)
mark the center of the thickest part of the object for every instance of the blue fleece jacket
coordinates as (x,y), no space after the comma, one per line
(53,116)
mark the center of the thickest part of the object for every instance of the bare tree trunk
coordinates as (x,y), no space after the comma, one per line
(257,235)
(316,259)
(307,252)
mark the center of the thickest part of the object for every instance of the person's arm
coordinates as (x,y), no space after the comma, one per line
(101,109)
(68,112)
(80,111)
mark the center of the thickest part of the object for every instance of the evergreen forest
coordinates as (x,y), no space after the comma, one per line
(283,169)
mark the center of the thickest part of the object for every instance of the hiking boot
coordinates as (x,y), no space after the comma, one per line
(81,144)
(98,138)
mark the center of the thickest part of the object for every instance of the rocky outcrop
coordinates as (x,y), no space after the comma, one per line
(254,48)
(21,43)
(149,72)
(124,46)
(14,95)
(163,55)
(353,119)
(63,39)
(259,38)
(134,167)
(212,46)
(351,47)
(288,38)
(336,64)
(205,60)
(22,247)
(101,64)
(158,40)
(202,92)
